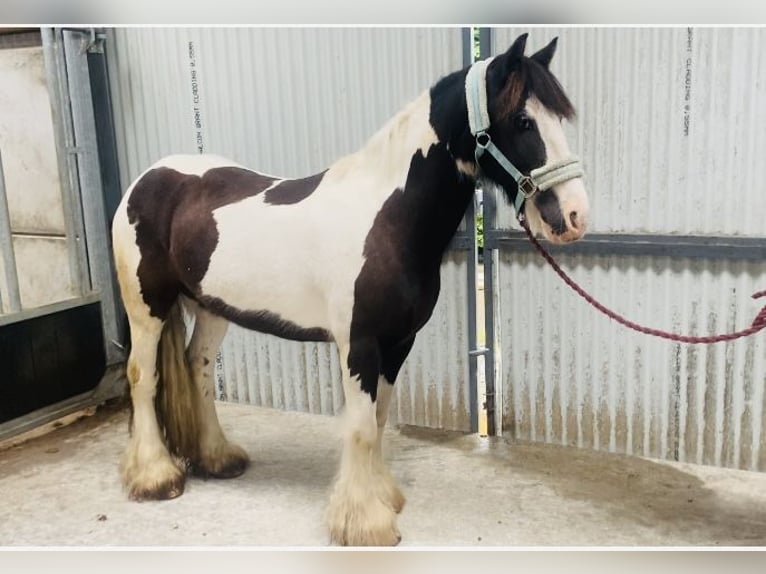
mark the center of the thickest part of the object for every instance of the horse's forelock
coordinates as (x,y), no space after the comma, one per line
(530,77)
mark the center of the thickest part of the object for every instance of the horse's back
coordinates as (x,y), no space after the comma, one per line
(194,164)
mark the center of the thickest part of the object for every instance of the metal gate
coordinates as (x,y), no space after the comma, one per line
(290,102)
(671,129)
(59,342)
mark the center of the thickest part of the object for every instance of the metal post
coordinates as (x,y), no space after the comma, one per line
(490,253)
(473,353)
(55,70)
(6,246)
(470,219)
(489,207)
(470,225)
(485,43)
(91,185)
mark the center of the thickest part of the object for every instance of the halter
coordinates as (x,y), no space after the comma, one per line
(541,178)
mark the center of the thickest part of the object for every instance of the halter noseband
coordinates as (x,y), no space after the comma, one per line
(541,178)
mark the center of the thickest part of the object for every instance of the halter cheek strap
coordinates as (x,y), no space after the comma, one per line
(542,178)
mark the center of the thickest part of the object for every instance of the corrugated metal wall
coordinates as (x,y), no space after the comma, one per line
(672,132)
(289,102)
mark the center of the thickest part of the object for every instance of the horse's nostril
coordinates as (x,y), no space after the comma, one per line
(573,219)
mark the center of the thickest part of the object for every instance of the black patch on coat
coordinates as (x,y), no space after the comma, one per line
(175,230)
(449,115)
(292,191)
(398,285)
(393,357)
(264,321)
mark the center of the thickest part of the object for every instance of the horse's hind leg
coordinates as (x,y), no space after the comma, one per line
(147,468)
(217,456)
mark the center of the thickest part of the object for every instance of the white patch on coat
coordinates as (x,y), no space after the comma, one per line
(571,194)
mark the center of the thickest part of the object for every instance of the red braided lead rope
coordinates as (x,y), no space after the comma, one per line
(758,324)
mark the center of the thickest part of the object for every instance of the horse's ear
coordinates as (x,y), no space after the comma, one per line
(516,51)
(545,55)
(510,60)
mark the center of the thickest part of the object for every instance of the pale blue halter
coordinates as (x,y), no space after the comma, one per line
(541,178)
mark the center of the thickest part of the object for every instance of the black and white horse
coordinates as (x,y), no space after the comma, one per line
(365,240)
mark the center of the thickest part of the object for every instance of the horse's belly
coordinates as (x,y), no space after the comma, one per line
(262,284)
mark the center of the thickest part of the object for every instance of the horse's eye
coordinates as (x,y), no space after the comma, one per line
(522,122)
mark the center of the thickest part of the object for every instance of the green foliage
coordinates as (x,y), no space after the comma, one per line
(480,230)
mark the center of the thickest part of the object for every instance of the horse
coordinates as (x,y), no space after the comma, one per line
(204,236)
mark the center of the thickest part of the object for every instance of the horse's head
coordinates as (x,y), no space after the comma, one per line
(527,107)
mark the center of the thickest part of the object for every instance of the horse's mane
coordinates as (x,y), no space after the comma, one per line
(392,145)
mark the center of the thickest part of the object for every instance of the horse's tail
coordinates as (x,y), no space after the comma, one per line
(177,400)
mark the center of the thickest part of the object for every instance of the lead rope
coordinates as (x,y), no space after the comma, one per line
(758,324)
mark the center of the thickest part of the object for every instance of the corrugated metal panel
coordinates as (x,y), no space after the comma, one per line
(433,386)
(290,102)
(645,173)
(571,376)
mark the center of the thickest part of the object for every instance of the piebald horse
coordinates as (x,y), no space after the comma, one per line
(364,239)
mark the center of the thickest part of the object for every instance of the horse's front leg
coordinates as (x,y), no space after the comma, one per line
(391,360)
(361,511)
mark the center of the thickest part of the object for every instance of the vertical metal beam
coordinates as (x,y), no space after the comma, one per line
(91,188)
(6,246)
(107,154)
(470,223)
(489,212)
(105,130)
(485,43)
(55,70)
(473,366)
(467,35)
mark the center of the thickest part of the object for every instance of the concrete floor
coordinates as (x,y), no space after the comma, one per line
(63,489)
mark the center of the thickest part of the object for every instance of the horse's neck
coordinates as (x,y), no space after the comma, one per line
(441,195)
(441,187)
(415,169)
(435,194)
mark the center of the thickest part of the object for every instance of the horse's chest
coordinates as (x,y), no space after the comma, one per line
(392,302)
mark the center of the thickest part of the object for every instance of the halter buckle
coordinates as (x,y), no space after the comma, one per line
(527,187)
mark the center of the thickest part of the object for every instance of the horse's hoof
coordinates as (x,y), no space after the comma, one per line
(363,523)
(230,464)
(152,477)
(165,490)
(367,537)
(232,469)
